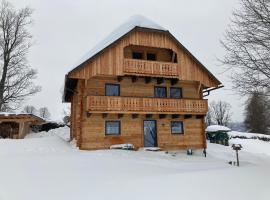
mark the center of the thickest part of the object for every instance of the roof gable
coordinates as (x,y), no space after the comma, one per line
(89,65)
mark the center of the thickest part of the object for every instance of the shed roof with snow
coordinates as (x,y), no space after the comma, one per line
(216,128)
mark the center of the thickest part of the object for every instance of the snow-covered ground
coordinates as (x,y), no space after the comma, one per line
(49,168)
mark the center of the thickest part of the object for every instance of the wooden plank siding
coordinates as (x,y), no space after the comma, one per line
(111,61)
(89,130)
(93,132)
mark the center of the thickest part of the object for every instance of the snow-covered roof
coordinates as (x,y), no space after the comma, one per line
(19,115)
(131,23)
(214,128)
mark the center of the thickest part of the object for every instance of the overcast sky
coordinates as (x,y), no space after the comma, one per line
(64,30)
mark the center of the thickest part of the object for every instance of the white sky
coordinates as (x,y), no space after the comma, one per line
(64,30)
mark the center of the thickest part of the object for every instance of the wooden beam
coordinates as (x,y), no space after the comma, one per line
(148,116)
(173,56)
(120,115)
(119,78)
(174,81)
(134,79)
(199,116)
(134,116)
(147,79)
(160,80)
(88,114)
(187,116)
(162,116)
(174,116)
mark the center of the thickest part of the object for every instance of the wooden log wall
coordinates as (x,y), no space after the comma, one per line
(93,132)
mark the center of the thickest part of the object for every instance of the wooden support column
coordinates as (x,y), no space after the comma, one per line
(23,129)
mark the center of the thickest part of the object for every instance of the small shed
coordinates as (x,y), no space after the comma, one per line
(17,125)
(218,134)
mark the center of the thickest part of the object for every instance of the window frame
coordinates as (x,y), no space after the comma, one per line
(178,133)
(181,93)
(112,134)
(114,84)
(166,96)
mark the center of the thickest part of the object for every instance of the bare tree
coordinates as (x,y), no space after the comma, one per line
(44,113)
(16,76)
(220,112)
(247,45)
(66,118)
(257,113)
(208,118)
(30,109)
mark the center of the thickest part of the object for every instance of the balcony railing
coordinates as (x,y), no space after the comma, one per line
(150,68)
(111,104)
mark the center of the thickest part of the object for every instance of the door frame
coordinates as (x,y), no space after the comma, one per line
(156,139)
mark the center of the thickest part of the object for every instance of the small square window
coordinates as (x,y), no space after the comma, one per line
(112,128)
(177,127)
(151,56)
(176,92)
(137,55)
(112,90)
(160,92)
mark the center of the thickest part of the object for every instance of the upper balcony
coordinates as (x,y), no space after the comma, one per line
(139,105)
(150,68)
(149,61)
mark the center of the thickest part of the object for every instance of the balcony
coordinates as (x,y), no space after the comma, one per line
(112,104)
(150,68)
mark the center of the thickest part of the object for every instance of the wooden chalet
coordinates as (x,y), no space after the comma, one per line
(17,126)
(142,86)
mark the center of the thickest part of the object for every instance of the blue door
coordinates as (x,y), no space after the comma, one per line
(150,133)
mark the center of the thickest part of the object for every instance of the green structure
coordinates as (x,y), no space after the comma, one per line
(218,134)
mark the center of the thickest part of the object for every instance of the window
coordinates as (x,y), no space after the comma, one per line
(151,56)
(112,90)
(160,92)
(112,128)
(137,55)
(176,92)
(177,127)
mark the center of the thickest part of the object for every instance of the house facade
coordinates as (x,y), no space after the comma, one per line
(141,86)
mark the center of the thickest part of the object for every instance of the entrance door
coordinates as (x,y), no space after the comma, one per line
(150,133)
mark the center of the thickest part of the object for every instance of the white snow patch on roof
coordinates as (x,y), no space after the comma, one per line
(214,128)
(132,22)
(6,114)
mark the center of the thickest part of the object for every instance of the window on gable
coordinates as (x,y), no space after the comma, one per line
(177,127)
(137,55)
(112,128)
(112,90)
(151,56)
(176,92)
(160,92)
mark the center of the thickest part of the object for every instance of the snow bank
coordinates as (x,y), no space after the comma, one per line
(62,132)
(44,166)
(214,128)
(235,134)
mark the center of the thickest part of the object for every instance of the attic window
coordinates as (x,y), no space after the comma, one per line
(137,55)
(151,56)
